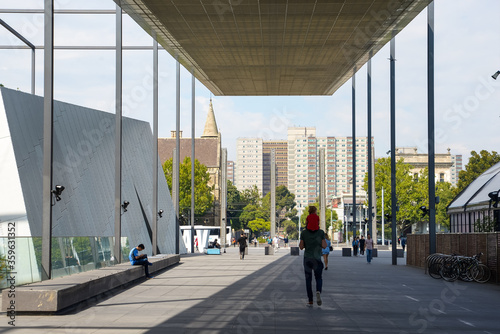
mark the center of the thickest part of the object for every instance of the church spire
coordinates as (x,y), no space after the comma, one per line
(210,125)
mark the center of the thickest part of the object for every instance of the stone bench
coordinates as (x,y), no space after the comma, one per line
(53,295)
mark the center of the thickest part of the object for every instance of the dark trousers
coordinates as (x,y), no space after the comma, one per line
(369,255)
(144,263)
(355,250)
(311,265)
(242,252)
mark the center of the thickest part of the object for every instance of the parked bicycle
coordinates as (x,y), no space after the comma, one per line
(453,267)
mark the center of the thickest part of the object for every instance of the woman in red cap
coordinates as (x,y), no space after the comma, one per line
(313,240)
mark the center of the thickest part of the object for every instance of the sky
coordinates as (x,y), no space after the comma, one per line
(467,99)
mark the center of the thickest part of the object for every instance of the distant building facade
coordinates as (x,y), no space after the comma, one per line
(281,158)
(249,162)
(447,166)
(297,164)
(207,151)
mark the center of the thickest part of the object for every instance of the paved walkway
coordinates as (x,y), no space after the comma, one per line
(266,294)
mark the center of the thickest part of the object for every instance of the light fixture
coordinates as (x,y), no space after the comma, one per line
(495,76)
(124,205)
(160,213)
(58,191)
(388,152)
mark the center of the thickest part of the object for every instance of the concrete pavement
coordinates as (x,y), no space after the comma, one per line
(266,294)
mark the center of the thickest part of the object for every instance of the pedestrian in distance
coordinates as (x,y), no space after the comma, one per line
(355,244)
(362,246)
(286,240)
(276,242)
(403,243)
(137,259)
(369,248)
(242,241)
(312,239)
(326,251)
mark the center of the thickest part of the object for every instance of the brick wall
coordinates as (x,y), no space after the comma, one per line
(467,244)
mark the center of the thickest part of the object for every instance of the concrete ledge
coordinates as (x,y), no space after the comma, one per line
(54,295)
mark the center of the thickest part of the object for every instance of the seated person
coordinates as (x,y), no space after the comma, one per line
(216,244)
(142,259)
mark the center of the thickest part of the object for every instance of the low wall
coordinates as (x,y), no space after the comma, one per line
(467,244)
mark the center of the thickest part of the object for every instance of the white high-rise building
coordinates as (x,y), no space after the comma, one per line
(303,164)
(297,155)
(249,163)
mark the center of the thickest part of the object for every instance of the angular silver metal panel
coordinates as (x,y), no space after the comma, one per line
(84,165)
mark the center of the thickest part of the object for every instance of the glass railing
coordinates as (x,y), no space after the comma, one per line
(70,255)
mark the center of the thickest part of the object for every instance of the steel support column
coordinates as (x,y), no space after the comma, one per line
(32,47)
(177,148)
(118,138)
(322,190)
(154,213)
(223,200)
(370,172)
(354,206)
(394,202)
(193,155)
(430,127)
(273,193)
(48,135)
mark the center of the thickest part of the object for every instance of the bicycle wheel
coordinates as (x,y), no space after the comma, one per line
(434,270)
(484,274)
(449,271)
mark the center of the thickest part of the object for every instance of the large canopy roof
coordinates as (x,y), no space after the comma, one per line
(280,47)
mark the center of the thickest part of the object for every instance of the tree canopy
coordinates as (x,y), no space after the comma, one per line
(259,225)
(203,192)
(478,164)
(411,193)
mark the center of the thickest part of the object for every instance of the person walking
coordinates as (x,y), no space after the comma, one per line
(242,241)
(355,244)
(140,260)
(369,248)
(362,246)
(312,239)
(403,243)
(276,242)
(326,251)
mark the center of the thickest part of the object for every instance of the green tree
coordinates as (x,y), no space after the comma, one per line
(446,192)
(251,196)
(291,228)
(478,164)
(259,225)
(410,191)
(252,212)
(203,192)
(234,207)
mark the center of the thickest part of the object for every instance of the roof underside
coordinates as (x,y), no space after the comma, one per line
(281,47)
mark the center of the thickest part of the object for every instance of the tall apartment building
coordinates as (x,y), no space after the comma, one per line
(281,157)
(297,136)
(303,164)
(447,166)
(249,159)
(297,164)
(230,171)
